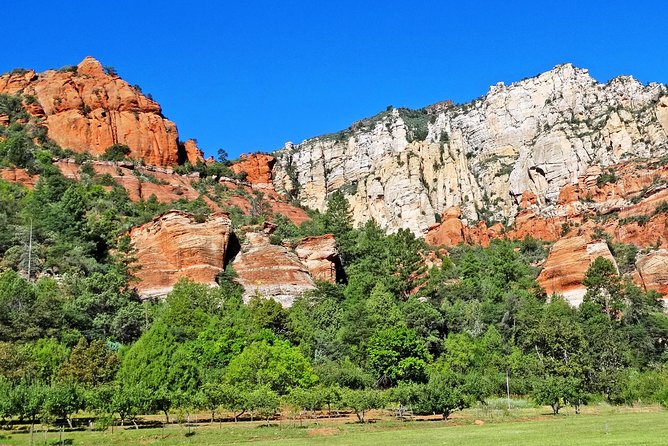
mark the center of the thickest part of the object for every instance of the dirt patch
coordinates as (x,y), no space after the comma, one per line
(322,432)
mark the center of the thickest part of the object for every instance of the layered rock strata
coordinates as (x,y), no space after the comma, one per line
(87,108)
(176,245)
(321,257)
(567,265)
(404,168)
(270,271)
(653,272)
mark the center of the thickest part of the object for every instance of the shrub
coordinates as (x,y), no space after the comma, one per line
(116,152)
(661,208)
(68,69)
(641,220)
(110,71)
(606,177)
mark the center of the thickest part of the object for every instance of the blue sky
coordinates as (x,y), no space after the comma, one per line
(251,75)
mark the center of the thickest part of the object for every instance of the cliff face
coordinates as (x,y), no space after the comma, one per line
(403,168)
(567,265)
(87,110)
(175,245)
(281,273)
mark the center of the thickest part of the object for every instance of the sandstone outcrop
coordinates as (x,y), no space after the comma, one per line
(567,265)
(175,245)
(257,168)
(321,257)
(653,272)
(450,232)
(18,175)
(87,109)
(270,271)
(402,167)
(193,153)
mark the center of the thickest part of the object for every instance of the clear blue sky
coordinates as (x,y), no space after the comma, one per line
(249,76)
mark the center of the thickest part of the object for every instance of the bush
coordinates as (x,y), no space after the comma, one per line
(69,69)
(661,208)
(641,220)
(606,177)
(116,152)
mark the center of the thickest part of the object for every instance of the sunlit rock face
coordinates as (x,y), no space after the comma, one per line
(567,265)
(270,271)
(87,109)
(406,168)
(175,245)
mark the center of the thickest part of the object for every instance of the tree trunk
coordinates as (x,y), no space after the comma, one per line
(237,415)
(69,422)
(360,415)
(213,415)
(166,416)
(135,423)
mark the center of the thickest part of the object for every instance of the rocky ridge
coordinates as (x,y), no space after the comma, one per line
(559,157)
(87,108)
(405,168)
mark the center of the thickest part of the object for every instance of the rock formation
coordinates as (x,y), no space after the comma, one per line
(87,109)
(257,168)
(403,167)
(567,265)
(450,231)
(17,175)
(321,257)
(175,245)
(653,272)
(270,271)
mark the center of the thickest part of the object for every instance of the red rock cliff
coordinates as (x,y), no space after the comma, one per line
(175,245)
(257,168)
(88,110)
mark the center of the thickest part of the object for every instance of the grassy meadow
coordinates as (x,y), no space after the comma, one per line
(597,425)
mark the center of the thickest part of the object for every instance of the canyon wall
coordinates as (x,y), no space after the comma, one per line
(405,168)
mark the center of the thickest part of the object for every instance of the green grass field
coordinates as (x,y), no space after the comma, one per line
(598,426)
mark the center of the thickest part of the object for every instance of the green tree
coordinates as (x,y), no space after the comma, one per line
(278,366)
(555,391)
(397,354)
(64,400)
(445,392)
(604,286)
(116,152)
(90,364)
(263,401)
(362,401)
